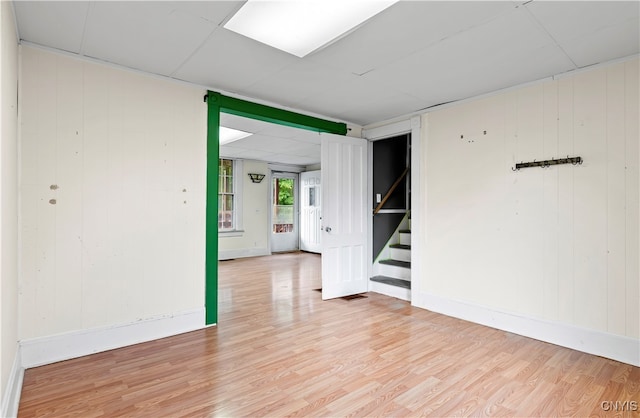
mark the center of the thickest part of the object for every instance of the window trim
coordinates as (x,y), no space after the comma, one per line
(238,180)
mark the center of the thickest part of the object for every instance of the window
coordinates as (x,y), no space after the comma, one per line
(229,195)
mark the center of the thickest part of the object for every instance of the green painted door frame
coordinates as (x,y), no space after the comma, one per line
(217,103)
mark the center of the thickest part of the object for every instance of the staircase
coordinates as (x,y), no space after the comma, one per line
(392,269)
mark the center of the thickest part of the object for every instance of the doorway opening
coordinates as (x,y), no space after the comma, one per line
(217,103)
(284,212)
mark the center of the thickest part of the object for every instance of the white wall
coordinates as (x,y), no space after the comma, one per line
(254,240)
(559,244)
(8,207)
(113,178)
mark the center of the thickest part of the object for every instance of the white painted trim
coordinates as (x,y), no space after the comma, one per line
(45,350)
(616,347)
(386,131)
(417,186)
(13,390)
(242,253)
(388,290)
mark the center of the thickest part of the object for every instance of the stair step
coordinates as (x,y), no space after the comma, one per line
(400,246)
(392,281)
(396,263)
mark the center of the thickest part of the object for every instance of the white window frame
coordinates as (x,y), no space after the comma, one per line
(237,181)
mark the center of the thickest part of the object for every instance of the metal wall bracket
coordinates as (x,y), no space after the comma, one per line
(548,163)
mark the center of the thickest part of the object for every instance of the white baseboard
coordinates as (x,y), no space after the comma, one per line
(615,347)
(50,349)
(388,290)
(13,390)
(242,253)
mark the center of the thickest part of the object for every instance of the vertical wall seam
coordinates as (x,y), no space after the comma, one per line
(82,201)
(557,301)
(607,195)
(626,197)
(573,205)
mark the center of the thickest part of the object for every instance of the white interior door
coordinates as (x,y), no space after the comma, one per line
(344,216)
(310,211)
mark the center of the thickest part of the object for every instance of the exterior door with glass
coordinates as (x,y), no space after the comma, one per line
(284,212)
(310,212)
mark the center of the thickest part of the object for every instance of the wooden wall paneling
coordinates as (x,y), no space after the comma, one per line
(566,241)
(616,190)
(117,210)
(528,233)
(550,201)
(590,200)
(632,179)
(29,194)
(497,164)
(46,137)
(98,285)
(469,182)
(509,291)
(445,178)
(66,189)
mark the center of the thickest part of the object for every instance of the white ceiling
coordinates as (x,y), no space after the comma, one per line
(412,56)
(270,142)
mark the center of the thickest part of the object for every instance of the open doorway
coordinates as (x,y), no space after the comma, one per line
(218,104)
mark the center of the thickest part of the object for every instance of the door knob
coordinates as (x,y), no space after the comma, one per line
(328,229)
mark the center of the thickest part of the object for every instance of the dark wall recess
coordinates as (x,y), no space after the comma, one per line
(389,161)
(390,158)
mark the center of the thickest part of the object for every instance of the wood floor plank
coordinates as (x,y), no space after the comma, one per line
(279,350)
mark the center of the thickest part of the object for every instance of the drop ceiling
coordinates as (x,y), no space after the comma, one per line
(414,55)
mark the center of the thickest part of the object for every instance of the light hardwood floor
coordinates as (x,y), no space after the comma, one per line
(279,350)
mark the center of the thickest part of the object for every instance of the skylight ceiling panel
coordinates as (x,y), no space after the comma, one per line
(403,29)
(231,62)
(506,51)
(591,32)
(57,25)
(156,37)
(267,129)
(241,123)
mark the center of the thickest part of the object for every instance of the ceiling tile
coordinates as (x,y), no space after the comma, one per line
(404,28)
(595,31)
(299,81)
(288,159)
(363,101)
(57,25)
(232,62)
(509,50)
(171,34)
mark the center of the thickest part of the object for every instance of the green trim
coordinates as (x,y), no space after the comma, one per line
(265,113)
(211,263)
(217,103)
